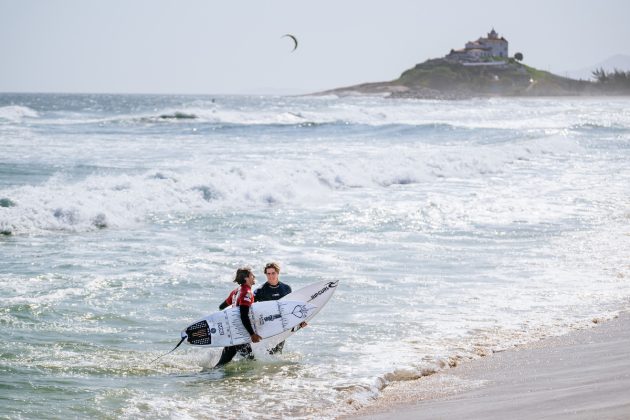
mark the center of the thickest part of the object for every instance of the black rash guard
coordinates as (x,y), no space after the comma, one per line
(269,292)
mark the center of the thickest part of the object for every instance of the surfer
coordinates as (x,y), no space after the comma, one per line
(241,297)
(274,289)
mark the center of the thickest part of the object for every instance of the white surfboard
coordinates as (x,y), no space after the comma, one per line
(225,328)
(317,294)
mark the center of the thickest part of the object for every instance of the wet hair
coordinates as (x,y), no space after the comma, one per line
(273,265)
(242,274)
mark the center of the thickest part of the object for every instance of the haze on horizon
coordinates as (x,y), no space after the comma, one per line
(211,47)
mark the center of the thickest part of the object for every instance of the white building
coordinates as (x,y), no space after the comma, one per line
(491,46)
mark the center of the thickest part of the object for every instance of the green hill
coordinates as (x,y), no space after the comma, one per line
(441,78)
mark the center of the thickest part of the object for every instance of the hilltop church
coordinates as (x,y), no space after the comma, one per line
(475,51)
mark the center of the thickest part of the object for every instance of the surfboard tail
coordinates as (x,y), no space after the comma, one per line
(198,333)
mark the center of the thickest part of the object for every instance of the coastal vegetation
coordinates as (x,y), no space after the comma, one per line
(615,81)
(484,68)
(442,78)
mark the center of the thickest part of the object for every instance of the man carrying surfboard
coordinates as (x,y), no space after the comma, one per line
(274,289)
(243,298)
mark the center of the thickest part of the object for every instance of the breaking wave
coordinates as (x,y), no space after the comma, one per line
(101,201)
(17,113)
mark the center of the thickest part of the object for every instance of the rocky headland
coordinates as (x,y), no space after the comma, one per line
(442,78)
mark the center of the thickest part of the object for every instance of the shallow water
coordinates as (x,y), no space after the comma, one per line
(455,228)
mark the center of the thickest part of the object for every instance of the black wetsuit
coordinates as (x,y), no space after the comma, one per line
(244,350)
(269,292)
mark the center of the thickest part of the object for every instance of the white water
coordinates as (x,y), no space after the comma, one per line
(455,228)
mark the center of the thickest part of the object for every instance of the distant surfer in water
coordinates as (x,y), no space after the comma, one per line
(274,289)
(241,297)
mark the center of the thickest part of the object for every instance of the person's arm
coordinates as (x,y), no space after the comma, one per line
(285,289)
(227,302)
(247,324)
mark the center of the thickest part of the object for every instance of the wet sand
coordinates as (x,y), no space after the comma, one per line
(582,375)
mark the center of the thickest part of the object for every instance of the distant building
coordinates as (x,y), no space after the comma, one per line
(474,51)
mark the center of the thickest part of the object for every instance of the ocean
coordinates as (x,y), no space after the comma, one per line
(455,229)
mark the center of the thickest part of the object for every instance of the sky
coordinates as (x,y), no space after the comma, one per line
(236,46)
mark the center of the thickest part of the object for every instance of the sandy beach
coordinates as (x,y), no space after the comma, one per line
(582,375)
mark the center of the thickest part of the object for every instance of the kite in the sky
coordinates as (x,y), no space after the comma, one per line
(295,41)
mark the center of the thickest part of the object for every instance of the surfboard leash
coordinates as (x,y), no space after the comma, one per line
(174,348)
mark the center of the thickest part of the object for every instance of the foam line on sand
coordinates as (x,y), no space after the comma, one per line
(582,375)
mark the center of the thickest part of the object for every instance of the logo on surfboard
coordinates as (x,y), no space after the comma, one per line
(328,286)
(300,311)
(264,319)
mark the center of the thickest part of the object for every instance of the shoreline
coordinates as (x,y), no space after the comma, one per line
(401,92)
(584,374)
